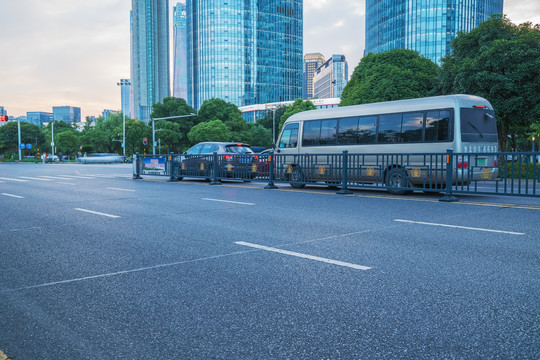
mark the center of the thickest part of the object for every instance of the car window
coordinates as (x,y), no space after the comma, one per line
(194,150)
(239,149)
(207,149)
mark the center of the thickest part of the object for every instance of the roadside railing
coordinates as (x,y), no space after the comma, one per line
(516,174)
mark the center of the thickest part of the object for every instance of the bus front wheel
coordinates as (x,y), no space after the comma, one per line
(296,178)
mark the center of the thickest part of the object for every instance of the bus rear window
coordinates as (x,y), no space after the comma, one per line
(478,125)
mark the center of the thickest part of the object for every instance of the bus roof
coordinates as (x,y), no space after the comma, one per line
(388,107)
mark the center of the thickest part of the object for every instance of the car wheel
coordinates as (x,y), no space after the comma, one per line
(396,183)
(296,178)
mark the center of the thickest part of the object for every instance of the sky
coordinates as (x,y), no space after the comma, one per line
(74,52)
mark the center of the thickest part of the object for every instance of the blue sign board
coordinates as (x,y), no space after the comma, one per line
(22,146)
(28,146)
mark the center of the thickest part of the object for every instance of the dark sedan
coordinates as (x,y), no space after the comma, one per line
(232,160)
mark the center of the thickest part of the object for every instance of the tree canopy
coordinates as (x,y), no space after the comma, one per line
(391,75)
(499,61)
(298,106)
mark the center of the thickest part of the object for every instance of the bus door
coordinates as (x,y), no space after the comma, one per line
(286,150)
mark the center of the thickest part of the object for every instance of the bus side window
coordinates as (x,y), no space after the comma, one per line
(348,131)
(412,127)
(438,126)
(312,133)
(328,132)
(389,128)
(367,128)
(289,136)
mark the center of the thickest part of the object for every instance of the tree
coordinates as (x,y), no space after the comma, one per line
(269,119)
(260,136)
(499,61)
(172,106)
(170,135)
(392,75)
(210,131)
(30,134)
(298,106)
(67,143)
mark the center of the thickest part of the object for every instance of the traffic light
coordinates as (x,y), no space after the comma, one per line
(145,141)
(3,118)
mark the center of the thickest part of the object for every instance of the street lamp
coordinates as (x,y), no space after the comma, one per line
(123,82)
(163,118)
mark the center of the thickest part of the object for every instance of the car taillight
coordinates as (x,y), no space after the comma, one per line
(462,164)
(227,157)
(495,162)
(256,157)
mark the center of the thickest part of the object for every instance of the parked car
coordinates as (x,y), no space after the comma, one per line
(234,160)
(264,162)
(101,158)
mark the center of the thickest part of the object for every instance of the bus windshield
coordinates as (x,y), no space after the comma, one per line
(478,125)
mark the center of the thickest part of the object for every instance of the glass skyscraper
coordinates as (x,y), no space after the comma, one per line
(150,81)
(67,114)
(244,51)
(427,26)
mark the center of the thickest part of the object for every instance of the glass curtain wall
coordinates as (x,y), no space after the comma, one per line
(427,26)
(244,51)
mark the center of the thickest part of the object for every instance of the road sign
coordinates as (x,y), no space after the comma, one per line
(28,146)
(22,146)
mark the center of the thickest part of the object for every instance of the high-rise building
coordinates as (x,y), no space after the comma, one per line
(39,117)
(425,26)
(69,114)
(331,77)
(3,111)
(311,63)
(244,52)
(149,55)
(125,94)
(180,51)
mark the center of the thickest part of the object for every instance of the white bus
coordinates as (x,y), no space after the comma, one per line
(462,123)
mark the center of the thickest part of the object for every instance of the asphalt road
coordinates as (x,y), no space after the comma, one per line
(95,265)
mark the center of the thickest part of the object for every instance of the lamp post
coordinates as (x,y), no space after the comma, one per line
(163,118)
(123,82)
(19,136)
(273,110)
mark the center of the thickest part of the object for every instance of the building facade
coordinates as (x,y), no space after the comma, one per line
(331,77)
(251,113)
(427,26)
(69,114)
(39,117)
(3,111)
(149,55)
(180,71)
(244,52)
(311,63)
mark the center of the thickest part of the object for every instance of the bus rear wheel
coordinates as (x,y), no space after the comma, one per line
(396,183)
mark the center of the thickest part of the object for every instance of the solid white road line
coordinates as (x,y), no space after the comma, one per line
(97,213)
(65,183)
(78,177)
(11,195)
(230,202)
(120,189)
(300,255)
(10,179)
(459,227)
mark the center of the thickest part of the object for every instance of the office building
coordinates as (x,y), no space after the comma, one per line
(251,113)
(244,52)
(180,51)
(125,95)
(425,26)
(39,117)
(311,63)
(150,82)
(69,114)
(331,77)
(3,111)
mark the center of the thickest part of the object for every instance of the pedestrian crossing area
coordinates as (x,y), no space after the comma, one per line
(62,177)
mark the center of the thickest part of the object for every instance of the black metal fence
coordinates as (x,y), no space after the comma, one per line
(516,174)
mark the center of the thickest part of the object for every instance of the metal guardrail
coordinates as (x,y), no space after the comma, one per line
(515,174)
